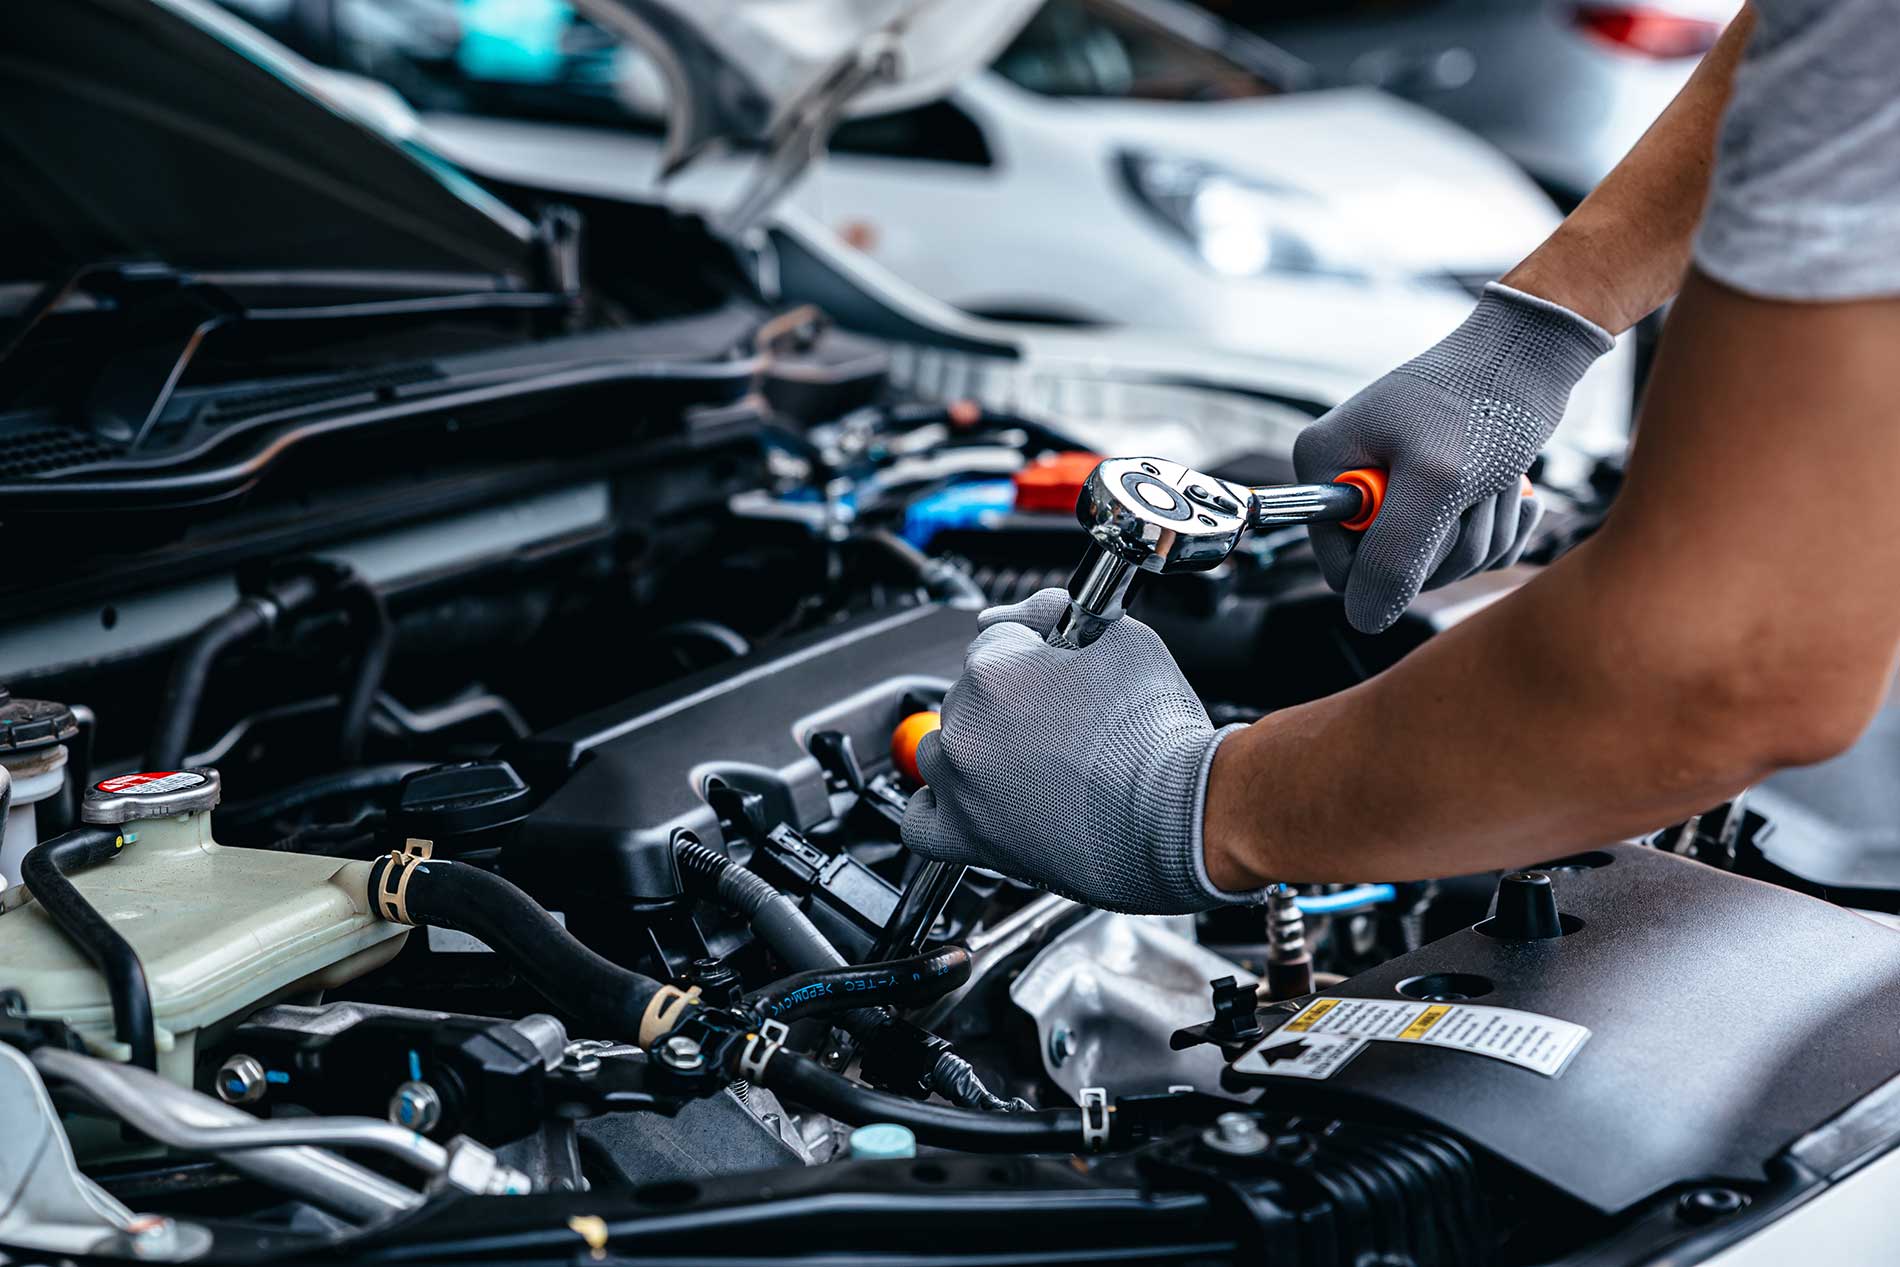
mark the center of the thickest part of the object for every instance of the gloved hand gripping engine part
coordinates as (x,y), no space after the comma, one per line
(1456,428)
(1084,771)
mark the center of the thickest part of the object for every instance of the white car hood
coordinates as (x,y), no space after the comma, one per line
(1424,195)
(743,71)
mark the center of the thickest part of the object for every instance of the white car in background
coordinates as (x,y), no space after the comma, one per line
(1131,163)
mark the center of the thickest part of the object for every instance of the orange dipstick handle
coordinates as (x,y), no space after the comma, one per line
(904,740)
(1370,481)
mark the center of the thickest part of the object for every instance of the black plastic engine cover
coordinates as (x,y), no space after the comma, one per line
(1728,1017)
(639,769)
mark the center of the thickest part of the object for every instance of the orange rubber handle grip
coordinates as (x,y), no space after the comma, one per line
(1370,481)
(905,739)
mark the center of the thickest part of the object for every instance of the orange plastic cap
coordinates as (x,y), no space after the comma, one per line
(1370,481)
(1053,483)
(905,739)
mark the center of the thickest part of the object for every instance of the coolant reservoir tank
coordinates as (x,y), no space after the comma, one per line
(220,931)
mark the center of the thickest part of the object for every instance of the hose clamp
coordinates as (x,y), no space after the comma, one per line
(1095,1113)
(663,1012)
(393,893)
(760,1048)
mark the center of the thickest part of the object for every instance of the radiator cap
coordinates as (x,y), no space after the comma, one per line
(153,794)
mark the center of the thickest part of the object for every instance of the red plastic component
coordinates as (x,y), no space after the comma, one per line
(1053,483)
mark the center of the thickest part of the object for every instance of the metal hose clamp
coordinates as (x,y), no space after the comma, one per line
(1095,1113)
(760,1048)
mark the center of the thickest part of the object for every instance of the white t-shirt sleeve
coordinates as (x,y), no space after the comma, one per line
(1805,199)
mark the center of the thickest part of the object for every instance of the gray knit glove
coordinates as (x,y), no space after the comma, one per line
(1080,771)
(1455,428)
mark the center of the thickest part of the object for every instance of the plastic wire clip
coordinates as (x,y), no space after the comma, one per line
(1095,1113)
(760,1048)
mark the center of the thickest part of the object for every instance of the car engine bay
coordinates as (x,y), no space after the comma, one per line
(624,915)
(462,671)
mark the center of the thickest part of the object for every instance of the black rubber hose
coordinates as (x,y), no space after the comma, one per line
(773,916)
(941,579)
(185,685)
(44,870)
(199,652)
(804,1081)
(368,780)
(892,983)
(365,608)
(612,999)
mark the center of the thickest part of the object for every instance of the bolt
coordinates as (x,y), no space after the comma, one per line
(581,1056)
(241,1080)
(1061,1045)
(153,1236)
(1705,1205)
(416,1106)
(681,1053)
(1236,1134)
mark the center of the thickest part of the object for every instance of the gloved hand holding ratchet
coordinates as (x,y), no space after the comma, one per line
(1081,770)
(1073,752)
(1455,428)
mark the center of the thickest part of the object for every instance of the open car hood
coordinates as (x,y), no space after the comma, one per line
(777,74)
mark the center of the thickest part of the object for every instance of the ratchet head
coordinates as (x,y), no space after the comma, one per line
(1161,516)
(1145,515)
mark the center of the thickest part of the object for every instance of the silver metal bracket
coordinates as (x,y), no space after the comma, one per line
(1095,1113)
(760,1048)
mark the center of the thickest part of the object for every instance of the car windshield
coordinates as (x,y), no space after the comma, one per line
(1097,48)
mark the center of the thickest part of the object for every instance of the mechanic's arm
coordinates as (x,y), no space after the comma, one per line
(1623,252)
(1457,426)
(1739,612)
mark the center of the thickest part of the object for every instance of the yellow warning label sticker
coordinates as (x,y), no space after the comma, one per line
(1311,1016)
(1542,1044)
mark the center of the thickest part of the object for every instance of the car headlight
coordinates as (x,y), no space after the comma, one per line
(1238,225)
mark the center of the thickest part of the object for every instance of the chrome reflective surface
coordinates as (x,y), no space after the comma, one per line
(1278,504)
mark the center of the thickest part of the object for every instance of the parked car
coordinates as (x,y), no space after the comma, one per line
(1564,87)
(1122,162)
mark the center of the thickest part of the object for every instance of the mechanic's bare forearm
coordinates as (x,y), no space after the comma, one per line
(1739,612)
(1623,252)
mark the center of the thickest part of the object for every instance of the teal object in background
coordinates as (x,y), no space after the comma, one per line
(518,40)
(882,1141)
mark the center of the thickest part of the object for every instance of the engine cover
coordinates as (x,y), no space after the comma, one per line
(639,769)
(1727,1018)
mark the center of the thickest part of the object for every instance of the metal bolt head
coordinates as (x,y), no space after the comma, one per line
(1237,1135)
(153,1236)
(417,1106)
(682,1053)
(1061,1045)
(1705,1205)
(241,1080)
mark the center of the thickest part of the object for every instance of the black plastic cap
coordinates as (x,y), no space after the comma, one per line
(1527,908)
(471,797)
(33,723)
